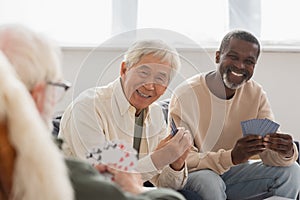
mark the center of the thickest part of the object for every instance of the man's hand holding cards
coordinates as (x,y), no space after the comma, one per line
(268,130)
(259,127)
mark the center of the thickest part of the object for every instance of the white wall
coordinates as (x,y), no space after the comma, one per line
(276,71)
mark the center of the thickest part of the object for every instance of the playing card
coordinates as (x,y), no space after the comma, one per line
(263,129)
(244,130)
(273,127)
(173,128)
(259,126)
(128,157)
(116,153)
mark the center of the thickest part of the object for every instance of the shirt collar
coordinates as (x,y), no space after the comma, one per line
(122,102)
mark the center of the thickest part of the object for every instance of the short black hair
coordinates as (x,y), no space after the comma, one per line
(239,34)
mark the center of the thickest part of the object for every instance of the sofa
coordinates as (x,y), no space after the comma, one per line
(164,105)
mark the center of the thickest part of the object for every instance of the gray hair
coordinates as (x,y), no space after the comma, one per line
(158,48)
(34,57)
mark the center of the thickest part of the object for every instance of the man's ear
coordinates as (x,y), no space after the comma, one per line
(123,68)
(38,94)
(217,58)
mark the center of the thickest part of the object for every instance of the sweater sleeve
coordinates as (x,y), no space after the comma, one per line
(171,178)
(219,161)
(81,130)
(270,157)
(167,177)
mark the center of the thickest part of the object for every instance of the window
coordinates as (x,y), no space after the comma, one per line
(280,22)
(91,22)
(202,21)
(206,21)
(69,22)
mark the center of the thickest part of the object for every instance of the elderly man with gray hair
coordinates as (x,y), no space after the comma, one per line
(126,110)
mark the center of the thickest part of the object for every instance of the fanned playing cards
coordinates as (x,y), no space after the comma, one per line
(259,127)
(117,154)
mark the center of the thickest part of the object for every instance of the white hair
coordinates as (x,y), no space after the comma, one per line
(39,168)
(34,57)
(157,48)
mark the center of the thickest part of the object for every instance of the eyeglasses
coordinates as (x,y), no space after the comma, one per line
(60,89)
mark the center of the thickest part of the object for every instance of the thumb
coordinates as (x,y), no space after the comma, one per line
(179,134)
(168,137)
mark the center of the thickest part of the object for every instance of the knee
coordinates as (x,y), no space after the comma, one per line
(294,174)
(290,174)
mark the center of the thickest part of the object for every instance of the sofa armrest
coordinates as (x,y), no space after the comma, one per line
(297,144)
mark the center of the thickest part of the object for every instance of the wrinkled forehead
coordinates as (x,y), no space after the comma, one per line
(152,59)
(154,68)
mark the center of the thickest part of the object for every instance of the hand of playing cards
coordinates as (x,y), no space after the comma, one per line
(116,154)
(259,127)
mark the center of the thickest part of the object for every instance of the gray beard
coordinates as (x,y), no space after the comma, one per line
(230,85)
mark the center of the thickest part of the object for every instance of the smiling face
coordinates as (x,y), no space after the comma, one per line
(146,81)
(237,62)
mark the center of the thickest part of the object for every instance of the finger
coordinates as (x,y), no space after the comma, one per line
(278,140)
(179,134)
(288,153)
(168,137)
(186,139)
(254,143)
(280,147)
(252,137)
(253,149)
(101,168)
(112,170)
(280,135)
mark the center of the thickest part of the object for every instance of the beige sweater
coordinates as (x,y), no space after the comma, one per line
(215,123)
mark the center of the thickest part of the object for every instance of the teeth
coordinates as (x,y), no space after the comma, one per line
(236,74)
(143,95)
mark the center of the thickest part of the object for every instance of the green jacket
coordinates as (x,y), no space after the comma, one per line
(89,184)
